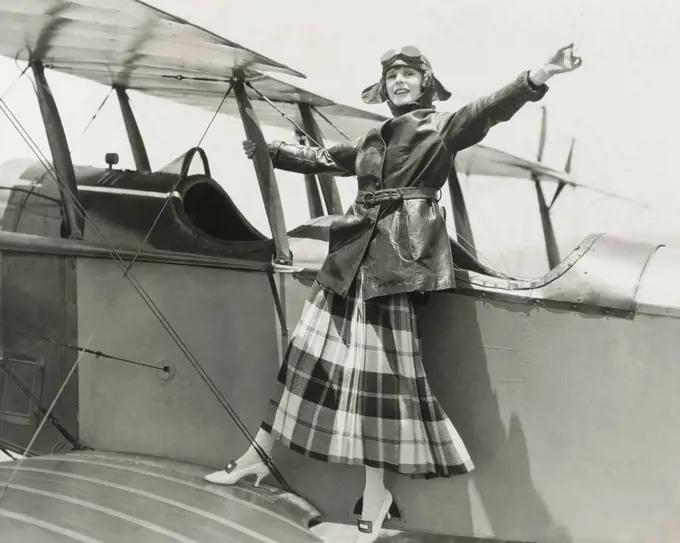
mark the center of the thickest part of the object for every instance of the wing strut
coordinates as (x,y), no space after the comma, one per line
(551,248)
(74,224)
(134,135)
(567,169)
(265,175)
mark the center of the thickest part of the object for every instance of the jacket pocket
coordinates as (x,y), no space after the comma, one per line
(423,224)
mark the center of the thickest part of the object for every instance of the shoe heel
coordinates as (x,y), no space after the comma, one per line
(366,527)
(258,479)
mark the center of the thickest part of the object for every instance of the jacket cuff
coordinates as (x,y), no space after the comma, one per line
(536,92)
(274,148)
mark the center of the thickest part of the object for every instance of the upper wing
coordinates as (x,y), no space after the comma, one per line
(124,42)
(130,44)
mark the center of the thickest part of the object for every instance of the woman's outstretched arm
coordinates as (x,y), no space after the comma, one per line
(337,159)
(470,124)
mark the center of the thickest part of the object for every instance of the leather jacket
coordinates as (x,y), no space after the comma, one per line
(402,242)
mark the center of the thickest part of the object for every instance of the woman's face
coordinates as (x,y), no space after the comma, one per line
(403,84)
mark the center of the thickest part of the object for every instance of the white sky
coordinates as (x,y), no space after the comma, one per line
(621,106)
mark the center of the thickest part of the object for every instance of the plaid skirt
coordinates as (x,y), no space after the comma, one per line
(352,389)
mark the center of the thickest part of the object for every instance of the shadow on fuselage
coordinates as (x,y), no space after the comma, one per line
(496,441)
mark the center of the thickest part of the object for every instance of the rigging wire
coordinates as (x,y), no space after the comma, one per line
(95,353)
(323,116)
(7,452)
(16,124)
(97,111)
(39,429)
(31,192)
(485,257)
(8,89)
(182,174)
(41,409)
(144,295)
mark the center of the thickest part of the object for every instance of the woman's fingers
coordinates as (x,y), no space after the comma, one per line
(565,59)
(249,148)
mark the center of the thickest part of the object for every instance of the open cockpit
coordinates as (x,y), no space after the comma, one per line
(194,214)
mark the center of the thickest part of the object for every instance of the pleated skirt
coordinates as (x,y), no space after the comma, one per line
(352,389)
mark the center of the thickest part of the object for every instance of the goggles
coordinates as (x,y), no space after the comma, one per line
(408,52)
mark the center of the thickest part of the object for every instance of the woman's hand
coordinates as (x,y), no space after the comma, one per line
(249,148)
(563,60)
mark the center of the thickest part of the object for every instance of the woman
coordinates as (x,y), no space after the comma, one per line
(352,388)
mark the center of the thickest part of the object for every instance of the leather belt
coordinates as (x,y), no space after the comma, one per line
(374,198)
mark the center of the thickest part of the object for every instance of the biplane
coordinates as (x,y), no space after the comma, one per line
(143,319)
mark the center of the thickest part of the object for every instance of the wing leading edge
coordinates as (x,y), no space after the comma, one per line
(124,42)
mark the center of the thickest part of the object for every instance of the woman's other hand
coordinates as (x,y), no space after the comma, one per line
(249,148)
(565,59)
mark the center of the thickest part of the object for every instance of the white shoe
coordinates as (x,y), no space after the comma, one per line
(370,531)
(231,475)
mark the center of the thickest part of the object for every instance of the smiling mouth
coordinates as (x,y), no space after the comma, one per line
(401,91)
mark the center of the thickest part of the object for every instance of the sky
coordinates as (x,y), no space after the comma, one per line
(621,106)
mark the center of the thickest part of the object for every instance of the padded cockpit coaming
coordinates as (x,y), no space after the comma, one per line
(206,212)
(213,212)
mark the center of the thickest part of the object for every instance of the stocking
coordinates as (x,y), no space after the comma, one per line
(266,442)
(374,493)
